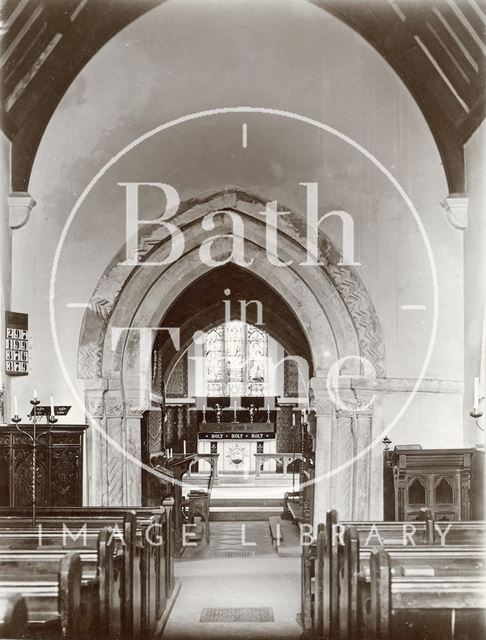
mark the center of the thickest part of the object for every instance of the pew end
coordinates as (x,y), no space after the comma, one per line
(14,616)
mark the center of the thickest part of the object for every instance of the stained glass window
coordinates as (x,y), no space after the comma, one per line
(236,360)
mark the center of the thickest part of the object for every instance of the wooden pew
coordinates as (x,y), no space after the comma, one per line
(321,561)
(354,575)
(416,607)
(51,588)
(99,589)
(13,615)
(83,536)
(298,504)
(94,517)
(198,503)
(148,573)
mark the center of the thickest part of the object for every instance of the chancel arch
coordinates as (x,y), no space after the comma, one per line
(329,305)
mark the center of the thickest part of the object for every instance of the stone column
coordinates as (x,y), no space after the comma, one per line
(95,454)
(115,445)
(323,410)
(132,485)
(342,435)
(114,431)
(352,486)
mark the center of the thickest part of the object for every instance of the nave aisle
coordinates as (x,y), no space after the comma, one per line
(227,575)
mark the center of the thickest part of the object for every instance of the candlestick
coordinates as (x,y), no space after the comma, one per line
(33,437)
(204,413)
(16,406)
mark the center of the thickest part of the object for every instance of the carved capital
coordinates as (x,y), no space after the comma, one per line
(113,406)
(319,397)
(134,412)
(455,207)
(20,204)
(354,403)
(95,405)
(365,412)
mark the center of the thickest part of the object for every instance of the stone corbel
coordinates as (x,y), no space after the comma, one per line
(20,204)
(455,207)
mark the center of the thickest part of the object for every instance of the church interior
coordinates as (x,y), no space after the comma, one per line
(243,315)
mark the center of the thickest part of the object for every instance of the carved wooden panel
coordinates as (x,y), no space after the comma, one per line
(59,467)
(435,479)
(287,436)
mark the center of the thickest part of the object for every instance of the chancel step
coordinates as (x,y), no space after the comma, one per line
(244,508)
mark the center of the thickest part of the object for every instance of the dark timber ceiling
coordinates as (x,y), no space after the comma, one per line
(437,47)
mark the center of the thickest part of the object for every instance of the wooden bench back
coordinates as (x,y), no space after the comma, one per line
(57,598)
(326,564)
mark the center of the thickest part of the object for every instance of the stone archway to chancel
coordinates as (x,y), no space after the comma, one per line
(330,304)
(215,297)
(206,303)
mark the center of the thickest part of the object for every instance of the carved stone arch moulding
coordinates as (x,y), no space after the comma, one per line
(345,281)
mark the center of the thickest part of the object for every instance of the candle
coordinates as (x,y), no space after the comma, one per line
(16,407)
(184,446)
(35,394)
(476,395)
(52,405)
(293,419)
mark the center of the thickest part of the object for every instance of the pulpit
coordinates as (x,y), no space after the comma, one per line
(437,479)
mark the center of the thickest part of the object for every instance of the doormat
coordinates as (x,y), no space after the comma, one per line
(237,614)
(214,555)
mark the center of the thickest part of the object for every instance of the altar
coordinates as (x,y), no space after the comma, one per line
(236,444)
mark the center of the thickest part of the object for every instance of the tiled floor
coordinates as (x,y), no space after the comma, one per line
(261,579)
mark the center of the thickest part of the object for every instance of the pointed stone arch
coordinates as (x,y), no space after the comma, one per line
(329,301)
(117,277)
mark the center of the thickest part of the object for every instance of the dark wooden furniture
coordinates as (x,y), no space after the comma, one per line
(198,502)
(59,466)
(133,586)
(428,557)
(171,471)
(435,479)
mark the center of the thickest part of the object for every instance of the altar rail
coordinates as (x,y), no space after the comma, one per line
(286,459)
(210,458)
